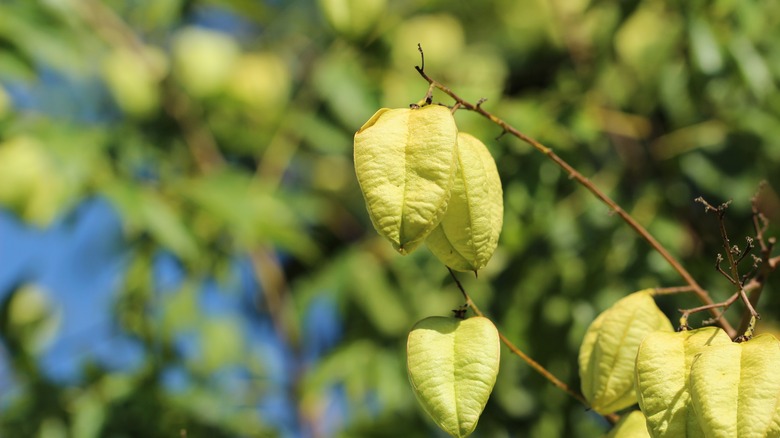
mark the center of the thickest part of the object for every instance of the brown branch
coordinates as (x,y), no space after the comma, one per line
(767,263)
(700,292)
(733,277)
(671,290)
(612,418)
(686,313)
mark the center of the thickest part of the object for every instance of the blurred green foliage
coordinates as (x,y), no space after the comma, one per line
(219,138)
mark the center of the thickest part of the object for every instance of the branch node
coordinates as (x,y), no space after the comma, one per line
(460,312)
(749,331)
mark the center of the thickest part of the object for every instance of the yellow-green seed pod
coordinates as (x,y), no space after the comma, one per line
(452,366)
(405,163)
(735,388)
(608,351)
(663,365)
(468,233)
(632,425)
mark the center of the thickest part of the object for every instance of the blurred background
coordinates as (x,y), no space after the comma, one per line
(184,250)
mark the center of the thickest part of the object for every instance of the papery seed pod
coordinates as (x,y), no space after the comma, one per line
(735,388)
(452,365)
(630,426)
(405,163)
(608,351)
(663,364)
(468,233)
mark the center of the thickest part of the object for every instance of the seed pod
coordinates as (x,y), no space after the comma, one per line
(735,388)
(468,233)
(452,366)
(405,163)
(663,365)
(630,426)
(608,351)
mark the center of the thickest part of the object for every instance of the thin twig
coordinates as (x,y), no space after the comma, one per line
(719,268)
(748,247)
(612,418)
(700,292)
(767,263)
(731,251)
(671,290)
(686,313)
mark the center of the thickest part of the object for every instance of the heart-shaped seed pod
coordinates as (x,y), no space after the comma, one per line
(468,233)
(405,163)
(735,388)
(453,364)
(608,351)
(663,365)
(630,426)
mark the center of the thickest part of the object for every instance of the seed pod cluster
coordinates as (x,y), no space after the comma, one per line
(423,181)
(699,383)
(663,364)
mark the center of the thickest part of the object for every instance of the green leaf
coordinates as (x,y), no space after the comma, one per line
(405,163)
(32,317)
(608,350)
(42,176)
(632,425)
(203,59)
(754,69)
(705,50)
(222,341)
(371,292)
(663,363)
(352,18)
(88,414)
(735,388)
(452,366)
(468,233)
(231,202)
(146,210)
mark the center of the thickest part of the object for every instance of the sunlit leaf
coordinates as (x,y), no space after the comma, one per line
(134,78)
(231,202)
(203,59)
(352,18)
(344,85)
(222,343)
(31,182)
(705,49)
(33,317)
(371,291)
(148,211)
(753,67)
(262,82)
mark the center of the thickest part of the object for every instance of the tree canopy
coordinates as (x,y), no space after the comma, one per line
(184,248)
